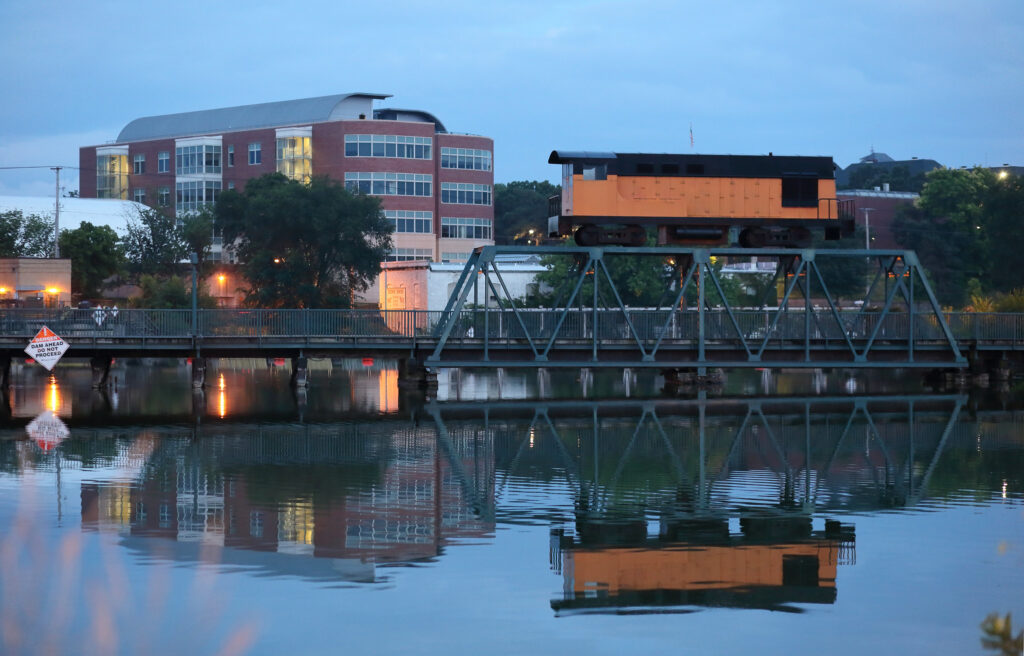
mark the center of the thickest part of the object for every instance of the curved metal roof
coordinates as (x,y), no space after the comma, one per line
(243,117)
(394,114)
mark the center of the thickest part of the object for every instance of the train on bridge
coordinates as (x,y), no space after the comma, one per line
(614,198)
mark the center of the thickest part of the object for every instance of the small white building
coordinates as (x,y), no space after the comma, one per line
(424,285)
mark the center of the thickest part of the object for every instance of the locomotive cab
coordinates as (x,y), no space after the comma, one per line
(614,198)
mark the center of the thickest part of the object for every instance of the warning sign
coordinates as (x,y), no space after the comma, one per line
(47,430)
(46,348)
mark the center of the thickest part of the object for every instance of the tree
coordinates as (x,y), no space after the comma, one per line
(95,255)
(304,245)
(520,206)
(169,293)
(965,226)
(197,234)
(25,236)
(153,243)
(845,277)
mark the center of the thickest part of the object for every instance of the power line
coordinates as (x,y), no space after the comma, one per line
(51,166)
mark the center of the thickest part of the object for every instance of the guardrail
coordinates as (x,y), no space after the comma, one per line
(498,325)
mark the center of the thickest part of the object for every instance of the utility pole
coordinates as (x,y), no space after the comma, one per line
(56,214)
(867,245)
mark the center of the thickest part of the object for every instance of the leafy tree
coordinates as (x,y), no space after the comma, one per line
(172,292)
(95,256)
(845,277)
(197,234)
(25,236)
(965,226)
(153,243)
(304,245)
(520,206)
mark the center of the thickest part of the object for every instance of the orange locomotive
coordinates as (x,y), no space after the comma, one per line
(612,198)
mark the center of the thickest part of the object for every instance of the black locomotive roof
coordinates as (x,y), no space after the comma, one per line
(716,166)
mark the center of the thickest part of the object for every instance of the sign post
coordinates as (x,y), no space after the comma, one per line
(46,348)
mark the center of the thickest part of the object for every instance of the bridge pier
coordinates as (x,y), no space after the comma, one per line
(677,380)
(101,370)
(198,373)
(412,374)
(5,372)
(300,373)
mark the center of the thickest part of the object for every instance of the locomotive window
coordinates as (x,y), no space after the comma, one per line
(694,169)
(595,172)
(670,169)
(799,192)
(645,168)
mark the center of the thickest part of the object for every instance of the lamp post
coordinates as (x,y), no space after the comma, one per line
(193,258)
(867,246)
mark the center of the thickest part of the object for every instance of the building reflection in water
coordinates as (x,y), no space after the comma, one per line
(744,493)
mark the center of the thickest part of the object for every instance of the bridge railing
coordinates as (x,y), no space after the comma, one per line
(647,325)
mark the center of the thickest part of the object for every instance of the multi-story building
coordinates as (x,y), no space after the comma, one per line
(435,186)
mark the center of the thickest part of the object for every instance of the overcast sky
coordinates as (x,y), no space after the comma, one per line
(940,79)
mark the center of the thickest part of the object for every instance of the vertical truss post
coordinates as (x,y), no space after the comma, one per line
(702,260)
(593,309)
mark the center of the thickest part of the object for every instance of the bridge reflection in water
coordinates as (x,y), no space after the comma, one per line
(665,504)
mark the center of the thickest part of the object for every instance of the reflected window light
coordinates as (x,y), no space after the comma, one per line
(531,437)
(54,400)
(1004,488)
(223,404)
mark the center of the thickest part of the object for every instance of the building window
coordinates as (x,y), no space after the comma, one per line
(231,185)
(139,195)
(390,184)
(193,194)
(231,155)
(409,254)
(255,155)
(112,176)
(465,193)
(295,157)
(469,159)
(799,192)
(163,162)
(410,221)
(465,228)
(190,160)
(139,162)
(454,257)
(388,145)
(164,197)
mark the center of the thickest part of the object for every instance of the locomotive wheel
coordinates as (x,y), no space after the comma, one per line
(587,235)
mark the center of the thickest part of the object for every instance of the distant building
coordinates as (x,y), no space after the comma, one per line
(877,208)
(75,211)
(883,163)
(436,187)
(35,282)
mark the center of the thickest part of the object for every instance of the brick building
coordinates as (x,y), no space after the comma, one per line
(435,186)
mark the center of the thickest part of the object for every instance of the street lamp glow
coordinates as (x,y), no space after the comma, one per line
(1003,174)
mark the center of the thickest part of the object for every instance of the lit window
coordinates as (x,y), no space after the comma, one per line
(139,162)
(255,154)
(388,145)
(390,184)
(465,194)
(112,175)
(163,162)
(410,221)
(295,157)
(465,158)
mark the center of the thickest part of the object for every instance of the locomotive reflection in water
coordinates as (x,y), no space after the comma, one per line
(749,497)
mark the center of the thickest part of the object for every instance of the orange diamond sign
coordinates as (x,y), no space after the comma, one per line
(46,348)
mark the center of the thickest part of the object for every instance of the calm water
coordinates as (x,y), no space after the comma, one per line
(516,513)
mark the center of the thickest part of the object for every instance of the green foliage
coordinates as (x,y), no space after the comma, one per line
(304,245)
(520,206)
(95,255)
(153,244)
(845,277)
(966,225)
(197,234)
(1012,301)
(25,236)
(169,293)
(998,635)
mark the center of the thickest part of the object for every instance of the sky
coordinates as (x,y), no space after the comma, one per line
(939,79)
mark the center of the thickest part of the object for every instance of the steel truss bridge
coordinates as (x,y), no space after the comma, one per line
(898,324)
